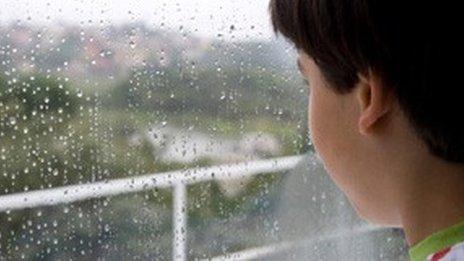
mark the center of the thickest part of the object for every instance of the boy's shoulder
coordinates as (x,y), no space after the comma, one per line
(455,252)
(446,244)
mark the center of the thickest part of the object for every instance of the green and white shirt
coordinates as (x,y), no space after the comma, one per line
(444,245)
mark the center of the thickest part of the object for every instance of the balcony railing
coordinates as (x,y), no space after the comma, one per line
(178,180)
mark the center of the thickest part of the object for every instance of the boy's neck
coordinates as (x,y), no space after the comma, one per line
(432,200)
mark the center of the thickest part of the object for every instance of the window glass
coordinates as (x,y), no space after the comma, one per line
(115,110)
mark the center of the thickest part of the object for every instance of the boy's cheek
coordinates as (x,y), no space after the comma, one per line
(322,130)
(331,138)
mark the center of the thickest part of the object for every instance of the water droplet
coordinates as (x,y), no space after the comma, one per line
(12,121)
(132,44)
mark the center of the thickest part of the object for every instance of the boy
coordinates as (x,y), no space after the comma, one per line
(385,110)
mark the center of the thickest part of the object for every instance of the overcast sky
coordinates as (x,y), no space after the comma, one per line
(249,18)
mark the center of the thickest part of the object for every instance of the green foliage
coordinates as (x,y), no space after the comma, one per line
(229,94)
(35,94)
(52,135)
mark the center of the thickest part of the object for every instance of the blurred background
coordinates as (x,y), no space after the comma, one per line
(99,90)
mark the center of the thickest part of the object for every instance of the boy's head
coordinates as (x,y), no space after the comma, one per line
(385,91)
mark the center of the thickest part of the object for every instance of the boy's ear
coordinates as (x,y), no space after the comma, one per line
(375,101)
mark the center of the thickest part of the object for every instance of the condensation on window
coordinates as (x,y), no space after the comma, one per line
(160,130)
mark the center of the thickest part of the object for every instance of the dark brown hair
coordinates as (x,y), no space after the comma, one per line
(414,46)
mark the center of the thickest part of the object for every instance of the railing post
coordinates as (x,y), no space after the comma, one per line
(179,221)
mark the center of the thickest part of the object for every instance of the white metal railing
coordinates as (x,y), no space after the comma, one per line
(178,180)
